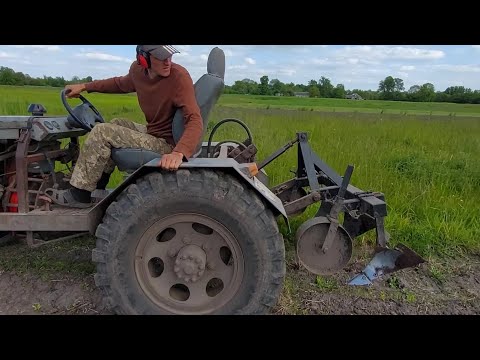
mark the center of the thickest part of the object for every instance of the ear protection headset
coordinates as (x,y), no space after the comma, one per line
(143,58)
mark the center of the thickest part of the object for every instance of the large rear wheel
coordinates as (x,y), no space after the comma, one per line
(189,242)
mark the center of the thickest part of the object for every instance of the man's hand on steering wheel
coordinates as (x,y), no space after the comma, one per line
(85,115)
(72,91)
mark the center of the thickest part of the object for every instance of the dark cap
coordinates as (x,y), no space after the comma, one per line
(161,52)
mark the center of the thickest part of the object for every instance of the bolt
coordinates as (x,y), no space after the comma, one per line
(201,266)
(187,279)
(177,262)
(183,257)
(205,246)
(188,270)
(190,257)
(200,273)
(176,269)
(198,260)
(194,279)
(172,252)
(187,240)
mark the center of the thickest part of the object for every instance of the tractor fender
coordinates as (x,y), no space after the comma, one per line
(233,167)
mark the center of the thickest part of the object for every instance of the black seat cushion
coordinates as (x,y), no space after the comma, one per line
(132,159)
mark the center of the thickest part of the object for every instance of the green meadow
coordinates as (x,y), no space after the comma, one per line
(344,105)
(425,157)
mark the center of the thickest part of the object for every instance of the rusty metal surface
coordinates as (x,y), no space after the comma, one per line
(189,264)
(59,219)
(21,170)
(310,237)
(296,203)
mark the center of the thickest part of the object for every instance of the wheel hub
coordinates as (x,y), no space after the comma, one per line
(172,269)
(190,263)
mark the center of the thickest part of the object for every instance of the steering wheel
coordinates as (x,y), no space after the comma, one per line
(84,115)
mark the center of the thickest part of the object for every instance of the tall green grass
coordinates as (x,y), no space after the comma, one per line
(428,167)
(429,170)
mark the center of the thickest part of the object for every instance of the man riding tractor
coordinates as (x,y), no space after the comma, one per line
(162,87)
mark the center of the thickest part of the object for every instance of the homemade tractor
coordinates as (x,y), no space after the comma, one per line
(201,240)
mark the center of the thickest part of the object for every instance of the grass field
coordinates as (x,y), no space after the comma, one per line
(344,105)
(427,165)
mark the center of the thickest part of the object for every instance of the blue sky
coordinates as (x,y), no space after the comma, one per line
(360,67)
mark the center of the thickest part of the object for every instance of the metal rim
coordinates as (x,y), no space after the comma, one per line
(310,237)
(189,264)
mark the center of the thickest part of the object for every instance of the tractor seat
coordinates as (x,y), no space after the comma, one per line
(132,159)
(207,91)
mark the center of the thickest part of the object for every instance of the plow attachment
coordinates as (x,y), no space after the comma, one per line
(324,244)
(387,261)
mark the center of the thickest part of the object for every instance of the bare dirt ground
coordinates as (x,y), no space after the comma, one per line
(58,279)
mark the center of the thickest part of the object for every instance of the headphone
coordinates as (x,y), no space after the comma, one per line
(143,58)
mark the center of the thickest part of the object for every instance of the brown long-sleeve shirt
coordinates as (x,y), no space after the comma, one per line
(159,99)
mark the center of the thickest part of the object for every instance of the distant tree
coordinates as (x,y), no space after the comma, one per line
(387,87)
(413,89)
(276,86)
(339,92)
(263,87)
(313,91)
(426,92)
(399,86)
(325,86)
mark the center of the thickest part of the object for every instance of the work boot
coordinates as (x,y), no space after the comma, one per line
(103,182)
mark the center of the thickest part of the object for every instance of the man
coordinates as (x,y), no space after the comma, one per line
(162,87)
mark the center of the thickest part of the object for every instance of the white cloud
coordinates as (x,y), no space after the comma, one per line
(316,62)
(103,57)
(250,61)
(407,67)
(5,55)
(476,46)
(458,68)
(389,52)
(237,67)
(183,48)
(403,74)
(287,71)
(40,47)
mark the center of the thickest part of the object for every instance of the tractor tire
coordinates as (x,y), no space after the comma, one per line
(189,242)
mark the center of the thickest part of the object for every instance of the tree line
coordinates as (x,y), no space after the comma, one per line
(10,77)
(389,88)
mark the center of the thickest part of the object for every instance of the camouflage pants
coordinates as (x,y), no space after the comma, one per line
(94,158)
